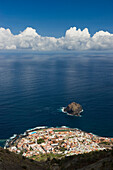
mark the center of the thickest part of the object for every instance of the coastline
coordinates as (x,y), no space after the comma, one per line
(15,136)
(32,130)
(62,141)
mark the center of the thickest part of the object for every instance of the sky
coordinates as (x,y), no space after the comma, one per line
(31,24)
(54,17)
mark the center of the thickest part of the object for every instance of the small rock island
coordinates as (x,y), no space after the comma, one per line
(73,109)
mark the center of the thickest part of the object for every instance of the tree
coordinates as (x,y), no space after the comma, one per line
(39,141)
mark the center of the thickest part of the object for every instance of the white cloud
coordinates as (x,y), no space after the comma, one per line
(73,40)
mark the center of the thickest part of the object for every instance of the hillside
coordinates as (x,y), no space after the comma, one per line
(101,160)
(12,161)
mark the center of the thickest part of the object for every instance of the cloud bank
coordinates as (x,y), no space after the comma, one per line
(77,40)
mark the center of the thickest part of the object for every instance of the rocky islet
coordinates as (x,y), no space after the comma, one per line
(73,109)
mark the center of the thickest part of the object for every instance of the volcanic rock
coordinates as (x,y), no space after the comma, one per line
(73,109)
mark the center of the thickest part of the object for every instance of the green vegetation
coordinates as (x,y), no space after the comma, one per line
(105,143)
(71,137)
(21,152)
(62,149)
(31,148)
(39,141)
(45,157)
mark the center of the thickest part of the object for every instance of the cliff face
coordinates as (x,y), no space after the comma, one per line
(73,109)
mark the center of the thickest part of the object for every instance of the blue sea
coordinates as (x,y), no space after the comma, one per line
(34,88)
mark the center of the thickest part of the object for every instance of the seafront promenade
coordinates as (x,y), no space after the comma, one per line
(62,141)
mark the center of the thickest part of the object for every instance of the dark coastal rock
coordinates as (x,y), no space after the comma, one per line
(74,109)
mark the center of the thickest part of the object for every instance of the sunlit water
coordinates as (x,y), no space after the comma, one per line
(34,87)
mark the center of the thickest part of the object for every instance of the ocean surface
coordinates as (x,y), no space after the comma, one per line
(34,87)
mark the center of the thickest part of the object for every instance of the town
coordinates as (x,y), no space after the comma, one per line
(62,141)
